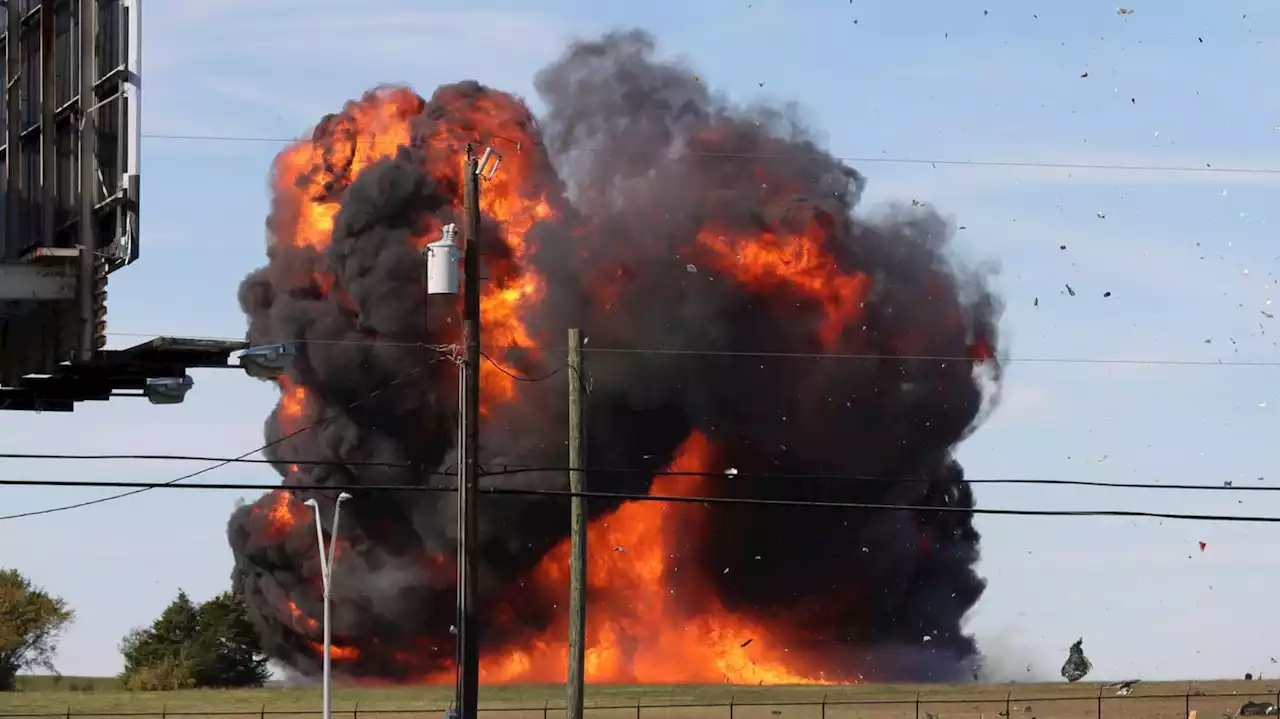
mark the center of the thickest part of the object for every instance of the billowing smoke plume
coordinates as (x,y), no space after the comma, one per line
(717,242)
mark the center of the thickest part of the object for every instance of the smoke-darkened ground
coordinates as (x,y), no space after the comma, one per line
(653,214)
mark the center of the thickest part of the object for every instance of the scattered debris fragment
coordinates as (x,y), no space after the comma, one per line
(1077,665)
(1123,688)
(1202,546)
(1124,11)
(691,268)
(1102,216)
(1106,294)
(1257,709)
(1036,303)
(1070,291)
(744,644)
(731,472)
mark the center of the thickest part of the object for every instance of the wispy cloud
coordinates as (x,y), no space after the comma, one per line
(280,66)
(245,91)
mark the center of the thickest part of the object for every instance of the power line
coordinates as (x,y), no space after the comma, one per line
(629,497)
(206,458)
(1023,164)
(932,358)
(1164,362)
(520,377)
(219,464)
(503,470)
(732,475)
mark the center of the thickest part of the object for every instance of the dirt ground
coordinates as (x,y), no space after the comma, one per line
(1210,700)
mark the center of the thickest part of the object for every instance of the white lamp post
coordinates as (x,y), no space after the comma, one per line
(326,571)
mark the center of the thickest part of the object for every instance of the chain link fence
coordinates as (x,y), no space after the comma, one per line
(1191,704)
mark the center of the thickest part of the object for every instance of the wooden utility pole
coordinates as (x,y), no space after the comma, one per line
(577,535)
(468,626)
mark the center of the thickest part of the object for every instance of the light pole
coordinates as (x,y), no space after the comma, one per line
(326,571)
(267,361)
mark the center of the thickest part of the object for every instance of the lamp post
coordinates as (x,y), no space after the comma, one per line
(326,571)
(167,390)
(267,361)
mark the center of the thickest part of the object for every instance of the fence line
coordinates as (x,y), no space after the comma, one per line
(918,701)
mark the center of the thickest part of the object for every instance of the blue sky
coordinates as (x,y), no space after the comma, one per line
(1185,256)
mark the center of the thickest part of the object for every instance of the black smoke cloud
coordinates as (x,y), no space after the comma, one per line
(636,156)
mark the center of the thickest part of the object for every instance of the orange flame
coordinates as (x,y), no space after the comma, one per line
(646,623)
(301,620)
(337,652)
(280,516)
(375,128)
(292,404)
(799,262)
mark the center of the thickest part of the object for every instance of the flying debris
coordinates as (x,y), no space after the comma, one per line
(1258,709)
(650,213)
(1123,688)
(1077,665)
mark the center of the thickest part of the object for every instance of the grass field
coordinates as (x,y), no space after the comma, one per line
(86,697)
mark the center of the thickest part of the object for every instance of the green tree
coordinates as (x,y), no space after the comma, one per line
(159,657)
(210,645)
(31,620)
(233,651)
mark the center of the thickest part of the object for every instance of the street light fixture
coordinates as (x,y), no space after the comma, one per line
(326,571)
(167,390)
(267,361)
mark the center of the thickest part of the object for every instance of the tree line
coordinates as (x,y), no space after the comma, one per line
(190,645)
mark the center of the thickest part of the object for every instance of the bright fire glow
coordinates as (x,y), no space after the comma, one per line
(799,263)
(376,129)
(647,621)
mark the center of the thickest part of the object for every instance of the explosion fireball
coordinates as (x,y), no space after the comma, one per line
(739,315)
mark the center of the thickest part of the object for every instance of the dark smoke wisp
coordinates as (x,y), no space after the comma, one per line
(651,215)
